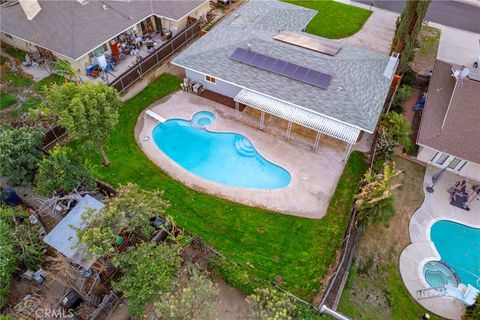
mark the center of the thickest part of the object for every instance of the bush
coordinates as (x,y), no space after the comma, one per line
(404,93)
(8,256)
(375,202)
(193,298)
(20,154)
(473,311)
(394,131)
(271,304)
(148,270)
(63,172)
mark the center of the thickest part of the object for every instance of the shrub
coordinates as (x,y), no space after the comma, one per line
(8,258)
(20,154)
(271,304)
(393,131)
(195,298)
(148,270)
(375,202)
(62,171)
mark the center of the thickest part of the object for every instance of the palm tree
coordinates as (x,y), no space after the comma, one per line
(64,68)
(375,202)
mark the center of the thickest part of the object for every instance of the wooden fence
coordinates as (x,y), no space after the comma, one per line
(157,57)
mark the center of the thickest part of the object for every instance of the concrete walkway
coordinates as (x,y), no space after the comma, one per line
(434,208)
(314,174)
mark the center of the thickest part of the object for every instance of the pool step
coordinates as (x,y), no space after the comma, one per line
(244,147)
(431,292)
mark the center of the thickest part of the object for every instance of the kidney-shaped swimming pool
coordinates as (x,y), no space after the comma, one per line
(459,247)
(227,158)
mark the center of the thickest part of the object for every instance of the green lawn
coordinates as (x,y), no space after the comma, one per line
(16,80)
(265,243)
(6,100)
(334,20)
(43,84)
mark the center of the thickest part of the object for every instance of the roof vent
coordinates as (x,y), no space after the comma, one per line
(30,7)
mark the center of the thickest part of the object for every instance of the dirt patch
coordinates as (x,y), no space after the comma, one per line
(374,289)
(232,305)
(426,53)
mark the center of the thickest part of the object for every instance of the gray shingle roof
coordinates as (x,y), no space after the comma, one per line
(71,29)
(358,89)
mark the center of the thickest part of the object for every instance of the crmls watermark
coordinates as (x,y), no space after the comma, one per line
(57,313)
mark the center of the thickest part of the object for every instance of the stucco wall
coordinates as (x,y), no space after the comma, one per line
(177,26)
(220,87)
(18,43)
(470,170)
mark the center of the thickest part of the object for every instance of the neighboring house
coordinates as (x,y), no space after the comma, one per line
(331,87)
(449,135)
(79,30)
(63,237)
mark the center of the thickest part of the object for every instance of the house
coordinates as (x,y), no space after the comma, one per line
(449,135)
(63,237)
(80,30)
(260,57)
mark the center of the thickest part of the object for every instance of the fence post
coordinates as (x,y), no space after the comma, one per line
(121,82)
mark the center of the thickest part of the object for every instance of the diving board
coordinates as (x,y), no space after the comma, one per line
(155,116)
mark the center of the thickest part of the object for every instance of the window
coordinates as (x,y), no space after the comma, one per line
(210,79)
(462,166)
(441,159)
(454,163)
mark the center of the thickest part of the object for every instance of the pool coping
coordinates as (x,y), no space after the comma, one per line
(435,207)
(305,195)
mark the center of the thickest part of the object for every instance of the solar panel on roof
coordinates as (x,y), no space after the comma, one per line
(300,73)
(257,61)
(278,66)
(238,54)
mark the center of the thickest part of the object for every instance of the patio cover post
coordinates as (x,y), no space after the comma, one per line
(317,141)
(347,151)
(289,130)
(237,110)
(262,120)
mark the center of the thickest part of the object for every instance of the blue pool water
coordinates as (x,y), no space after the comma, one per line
(227,158)
(459,247)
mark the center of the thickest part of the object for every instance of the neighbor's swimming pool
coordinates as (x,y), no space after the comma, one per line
(459,247)
(227,158)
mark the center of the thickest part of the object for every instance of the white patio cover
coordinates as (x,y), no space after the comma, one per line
(298,115)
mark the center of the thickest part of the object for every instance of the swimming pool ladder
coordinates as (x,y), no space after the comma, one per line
(431,292)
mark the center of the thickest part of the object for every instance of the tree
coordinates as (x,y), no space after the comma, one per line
(20,153)
(375,202)
(130,211)
(88,111)
(148,270)
(194,298)
(408,26)
(64,68)
(394,131)
(270,304)
(62,171)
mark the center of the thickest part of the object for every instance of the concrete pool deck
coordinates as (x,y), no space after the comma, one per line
(314,174)
(435,207)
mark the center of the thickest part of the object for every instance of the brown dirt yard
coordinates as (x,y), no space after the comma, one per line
(374,289)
